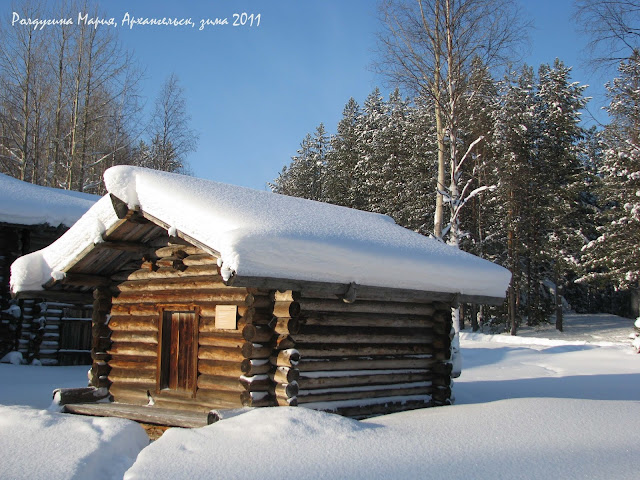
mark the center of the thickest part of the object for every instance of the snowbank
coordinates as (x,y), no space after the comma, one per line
(531,438)
(531,409)
(263,234)
(24,203)
(38,444)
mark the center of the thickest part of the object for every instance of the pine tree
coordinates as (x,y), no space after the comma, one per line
(613,255)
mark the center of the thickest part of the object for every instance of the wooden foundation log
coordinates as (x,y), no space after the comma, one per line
(310,306)
(218,398)
(375,363)
(63,396)
(285,358)
(143,377)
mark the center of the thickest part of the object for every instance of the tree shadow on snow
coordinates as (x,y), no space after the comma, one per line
(587,387)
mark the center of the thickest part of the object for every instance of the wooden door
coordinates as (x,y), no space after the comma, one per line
(177,363)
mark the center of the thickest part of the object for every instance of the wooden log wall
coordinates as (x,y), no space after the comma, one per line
(184,277)
(371,357)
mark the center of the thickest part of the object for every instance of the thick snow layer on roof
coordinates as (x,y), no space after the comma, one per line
(262,234)
(24,203)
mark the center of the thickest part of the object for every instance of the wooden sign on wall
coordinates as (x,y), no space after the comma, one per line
(226,317)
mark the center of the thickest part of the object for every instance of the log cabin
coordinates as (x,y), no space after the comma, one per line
(50,332)
(211,296)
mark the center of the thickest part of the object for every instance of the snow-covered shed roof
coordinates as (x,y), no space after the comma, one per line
(258,234)
(23,203)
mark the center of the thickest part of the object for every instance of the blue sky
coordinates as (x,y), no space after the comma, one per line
(254,92)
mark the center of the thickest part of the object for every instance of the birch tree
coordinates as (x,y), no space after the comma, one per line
(427,47)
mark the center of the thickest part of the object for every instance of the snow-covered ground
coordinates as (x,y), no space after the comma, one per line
(541,405)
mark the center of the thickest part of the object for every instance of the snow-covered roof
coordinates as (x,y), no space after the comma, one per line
(262,234)
(23,203)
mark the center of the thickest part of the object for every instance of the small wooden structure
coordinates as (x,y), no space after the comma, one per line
(170,332)
(54,333)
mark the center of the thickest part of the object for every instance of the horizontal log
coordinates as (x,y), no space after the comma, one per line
(200,259)
(284,390)
(135,349)
(99,330)
(287,401)
(212,296)
(285,375)
(256,399)
(255,367)
(219,383)
(287,326)
(307,396)
(256,350)
(257,333)
(285,296)
(383,320)
(379,363)
(170,262)
(190,271)
(178,251)
(344,350)
(64,396)
(100,368)
(314,382)
(220,368)
(132,376)
(284,342)
(141,323)
(217,339)
(134,363)
(218,398)
(84,280)
(135,310)
(286,309)
(256,383)
(122,246)
(220,353)
(373,407)
(368,339)
(179,283)
(153,415)
(135,337)
(309,306)
(285,358)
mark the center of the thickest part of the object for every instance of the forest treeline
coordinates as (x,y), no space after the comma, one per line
(554,202)
(71,107)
